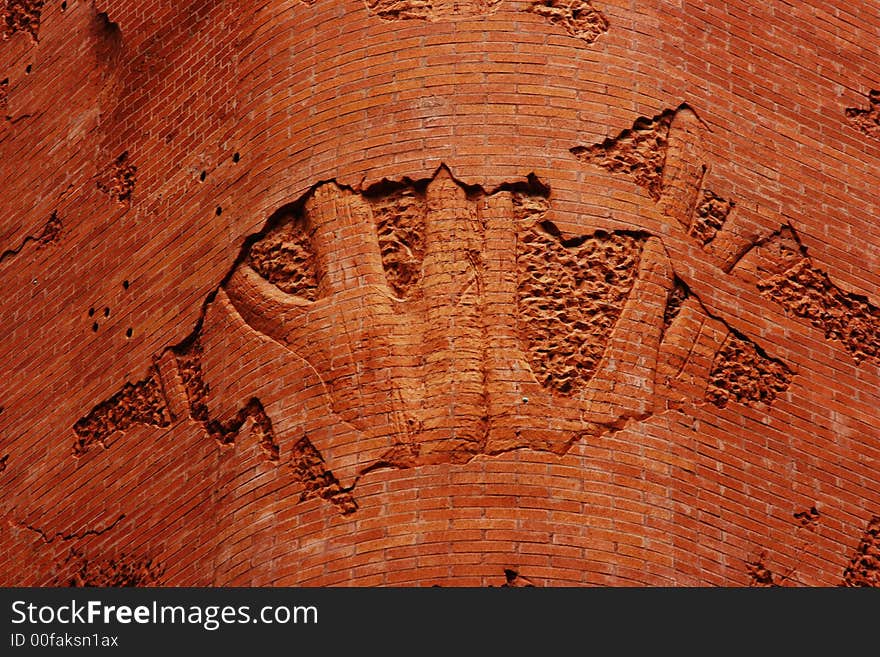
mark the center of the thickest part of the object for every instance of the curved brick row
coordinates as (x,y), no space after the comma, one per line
(431,293)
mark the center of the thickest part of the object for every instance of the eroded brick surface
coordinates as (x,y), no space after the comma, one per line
(578,17)
(21,16)
(744,374)
(372,414)
(785,274)
(639,152)
(867,119)
(570,294)
(285,258)
(864,567)
(119,179)
(140,403)
(394,10)
(710,216)
(123,571)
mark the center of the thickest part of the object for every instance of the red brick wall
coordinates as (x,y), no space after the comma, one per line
(143,142)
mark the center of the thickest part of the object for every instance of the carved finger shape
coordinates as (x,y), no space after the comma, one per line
(453,323)
(623,385)
(683,169)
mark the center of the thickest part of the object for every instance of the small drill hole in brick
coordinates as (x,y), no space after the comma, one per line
(106,312)
(64,6)
(28,69)
(202,176)
(95,327)
(236,157)
(128,332)
(219,210)
(91,312)
(125,284)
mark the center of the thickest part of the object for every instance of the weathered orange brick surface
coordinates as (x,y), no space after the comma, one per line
(423,292)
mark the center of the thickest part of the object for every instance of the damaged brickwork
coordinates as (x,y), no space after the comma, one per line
(639,152)
(21,16)
(119,179)
(570,294)
(140,403)
(400,223)
(743,373)
(50,234)
(577,17)
(285,258)
(867,120)
(309,468)
(429,10)
(122,572)
(786,275)
(864,567)
(711,213)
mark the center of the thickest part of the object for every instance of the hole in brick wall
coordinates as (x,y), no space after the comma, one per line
(95,327)
(125,284)
(106,312)
(28,69)
(219,210)
(128,332)
(91,312)
(63,6)
(236,157)
(202,176)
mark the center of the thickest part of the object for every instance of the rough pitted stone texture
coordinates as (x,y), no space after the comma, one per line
(710,216)
(742,373)
(867,119)
(864,567)
(431,10)
(284,257)
(137,403)
(21,16)
(578,17)
(288,334)
(570,294)
(639,152)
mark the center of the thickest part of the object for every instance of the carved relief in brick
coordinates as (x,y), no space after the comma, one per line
(285,259)
(430,10)
(867,120)
(119,179)
(577,17)
(467,323)
(124,571)
(712,212)
(864,567)
(570,294)
(21,16)
(743,373)
(639,152)
(400,223)
(141,403)
(784,273)
(662,154)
